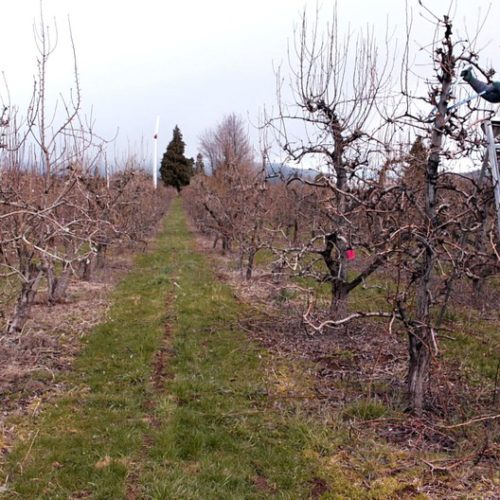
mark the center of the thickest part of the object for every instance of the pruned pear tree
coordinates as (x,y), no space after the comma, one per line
(447,212)
(332,121)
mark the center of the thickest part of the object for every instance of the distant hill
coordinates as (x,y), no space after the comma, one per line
(279,172)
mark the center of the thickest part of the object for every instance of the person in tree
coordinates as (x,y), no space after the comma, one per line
(488,91)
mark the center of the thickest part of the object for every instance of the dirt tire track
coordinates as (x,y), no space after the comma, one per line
(159,377)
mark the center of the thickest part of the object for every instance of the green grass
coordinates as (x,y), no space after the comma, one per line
(366,409)
(474,342)
(264,257)
(220,435)
(219,427)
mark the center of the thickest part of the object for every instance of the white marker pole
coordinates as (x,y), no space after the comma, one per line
(155,152)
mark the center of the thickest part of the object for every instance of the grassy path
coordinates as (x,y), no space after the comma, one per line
(205,429)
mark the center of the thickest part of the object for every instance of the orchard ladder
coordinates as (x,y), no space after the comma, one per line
(492,130)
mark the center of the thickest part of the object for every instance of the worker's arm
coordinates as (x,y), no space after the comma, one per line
(488,91)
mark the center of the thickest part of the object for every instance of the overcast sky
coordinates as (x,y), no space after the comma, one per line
(189,61)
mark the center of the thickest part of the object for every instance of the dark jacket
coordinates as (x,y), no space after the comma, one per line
(488,91)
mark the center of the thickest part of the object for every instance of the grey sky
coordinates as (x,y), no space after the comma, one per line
(189,61)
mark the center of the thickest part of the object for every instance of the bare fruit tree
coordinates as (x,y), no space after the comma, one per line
(57,212)
(38,209)
(338,84)
(448,212)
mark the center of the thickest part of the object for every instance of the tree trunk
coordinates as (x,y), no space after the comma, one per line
(295,231)
(26,298)
(420,336)
(418,368)
(101,255)
(250,263)
(60,285)
(241,257)
(478,292)
(51,279)
(420,339)
(86,267)
(336,266)
(338,304)
(447,295)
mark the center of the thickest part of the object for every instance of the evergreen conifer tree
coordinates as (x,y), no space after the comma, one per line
(176,170)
